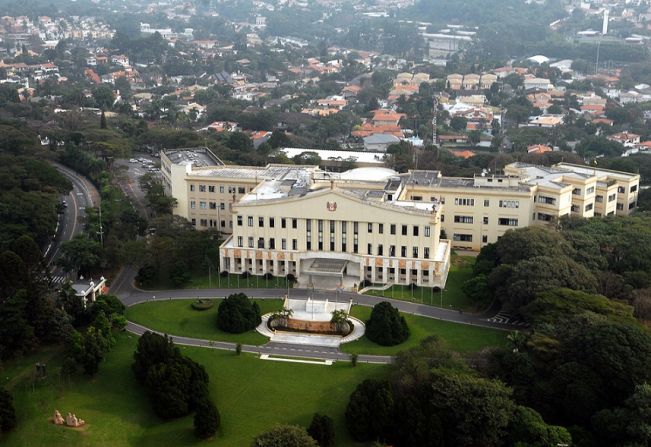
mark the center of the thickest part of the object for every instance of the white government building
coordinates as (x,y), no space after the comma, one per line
(338,229)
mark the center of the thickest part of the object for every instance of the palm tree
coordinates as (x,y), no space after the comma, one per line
(339,318)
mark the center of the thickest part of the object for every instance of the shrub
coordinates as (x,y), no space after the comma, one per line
(353,359)
(386,326)
(238,348)
(223,273)
(206,419)
(268,276)
(368,414)
(285,436)
(237,314)
(202,304)
(322,429)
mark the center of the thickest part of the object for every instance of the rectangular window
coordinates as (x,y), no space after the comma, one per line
(620,206)
(355,227)
(294,223)
(414,252)
(369,249)
(505,221)
(576,191)
(222,206)
(426,252)
(464,202)
(487,202)
(194,222)
(599,199)
(212,205)
(283,244)
(546,200)
(202,205)
(250,241)
(260,242)
(241,190)
(544,217)
(621,189)
(283,223)
(211,189)
(261,222)
(193,204)
(416,198)
(370,227)
(589,207)
(221,189)
(393,229)
(590,190)
(612,197)
(463,219)
(294,244)
(484,239)
(272,222)
(239,221)
(380,228)
(427,230)
(191,188)
(272,243)
(202,188)
(403,251)
(462,237)
(392,251)
(509,204)
(415,230)
(404,230)
(239,241)
(380,250)
(485,220)
(633,188)
(250,220)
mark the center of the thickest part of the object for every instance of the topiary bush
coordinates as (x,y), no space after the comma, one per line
(237,314)
(202,304)
(386,326)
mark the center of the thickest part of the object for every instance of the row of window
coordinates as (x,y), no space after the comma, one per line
(370,249)
(222,189)
(460,201)
(207,205)
(370,227)
(469,220)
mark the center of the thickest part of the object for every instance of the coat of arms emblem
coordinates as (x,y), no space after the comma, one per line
(332,206)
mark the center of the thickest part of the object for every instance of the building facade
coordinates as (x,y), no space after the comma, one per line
(373,224)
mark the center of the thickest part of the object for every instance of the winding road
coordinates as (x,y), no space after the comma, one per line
(83,195)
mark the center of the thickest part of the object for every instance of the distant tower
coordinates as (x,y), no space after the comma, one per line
(604,27)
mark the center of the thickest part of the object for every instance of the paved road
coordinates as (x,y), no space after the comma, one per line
(123,287)
(71,222)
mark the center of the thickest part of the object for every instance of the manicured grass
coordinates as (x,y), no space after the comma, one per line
(252,395)
(458,337)
(452,297)
(177,317)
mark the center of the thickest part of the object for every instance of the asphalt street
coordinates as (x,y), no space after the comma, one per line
(71,223)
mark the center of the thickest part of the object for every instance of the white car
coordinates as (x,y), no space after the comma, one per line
(133,160)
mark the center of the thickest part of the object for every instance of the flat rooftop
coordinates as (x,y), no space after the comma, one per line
(197,156)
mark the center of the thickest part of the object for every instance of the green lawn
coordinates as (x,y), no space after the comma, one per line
(252,395)
(458,337)
(452,296)
(177,317)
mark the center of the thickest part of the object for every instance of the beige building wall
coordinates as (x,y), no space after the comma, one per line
(382,243)
(474,217)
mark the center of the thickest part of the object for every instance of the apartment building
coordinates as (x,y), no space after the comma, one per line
(373,223)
